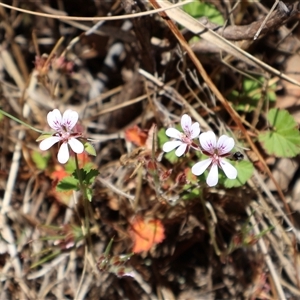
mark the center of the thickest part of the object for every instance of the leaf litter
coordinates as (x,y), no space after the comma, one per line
(154,229)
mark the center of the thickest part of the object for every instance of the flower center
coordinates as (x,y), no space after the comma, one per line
(185,139)
(64,136)
(215,158)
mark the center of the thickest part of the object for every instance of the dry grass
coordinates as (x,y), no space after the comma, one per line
(239,243)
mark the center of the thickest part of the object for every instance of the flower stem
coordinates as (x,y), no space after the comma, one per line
(81,184)
(19,121)
(85,200)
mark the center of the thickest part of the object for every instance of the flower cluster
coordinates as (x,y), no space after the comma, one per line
(64,134)
(215,150)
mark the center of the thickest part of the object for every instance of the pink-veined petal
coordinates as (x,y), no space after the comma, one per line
(54,119)
(225,144)
(186,124)
(70,118)
(201,166)
(173,133)
(63,153)
(180,150)
(208,141)
(49,142)
(76,145)
(169,146)
(229,170)
(213,175)
(195,130)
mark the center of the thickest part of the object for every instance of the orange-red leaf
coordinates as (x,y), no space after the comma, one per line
(59,173)
(136,135)
(146,233)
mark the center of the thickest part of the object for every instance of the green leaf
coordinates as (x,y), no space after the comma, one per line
(251,93)
(171,157)
(89,194)
(162,138)
(90,176)
(194,193)
(245,170)
(89,148)
(281,120)
(40,160)
(81,173)
(197,10)
(67,184)
(108,247)
(281,145)
(46,259)
(70,166)
(43,137)
(283,140)
(87,176)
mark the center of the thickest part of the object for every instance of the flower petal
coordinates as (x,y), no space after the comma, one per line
(54,120)
(173,133)
(49,142)
(208,141)
(63,153)
(201,166)
(229,170)
(213,175)
(225,144)
(186,124)
(180,150)
(76,145)
(69,119)
(195,130)
(169,146)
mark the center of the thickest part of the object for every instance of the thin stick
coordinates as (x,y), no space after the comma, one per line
(124,17)
(265,20)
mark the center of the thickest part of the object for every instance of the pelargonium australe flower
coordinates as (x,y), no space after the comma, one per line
(216,152)
(63,126)
(184,140)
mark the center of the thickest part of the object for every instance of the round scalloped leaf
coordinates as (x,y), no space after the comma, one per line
(284,138)
(245,170)
(281,145)
(281,120)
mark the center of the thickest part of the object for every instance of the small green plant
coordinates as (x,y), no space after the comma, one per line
(198,9)
(251,92)
(69,138)
(283,137)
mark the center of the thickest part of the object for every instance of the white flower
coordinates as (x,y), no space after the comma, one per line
(185,139)
(63,126)
(216,152)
